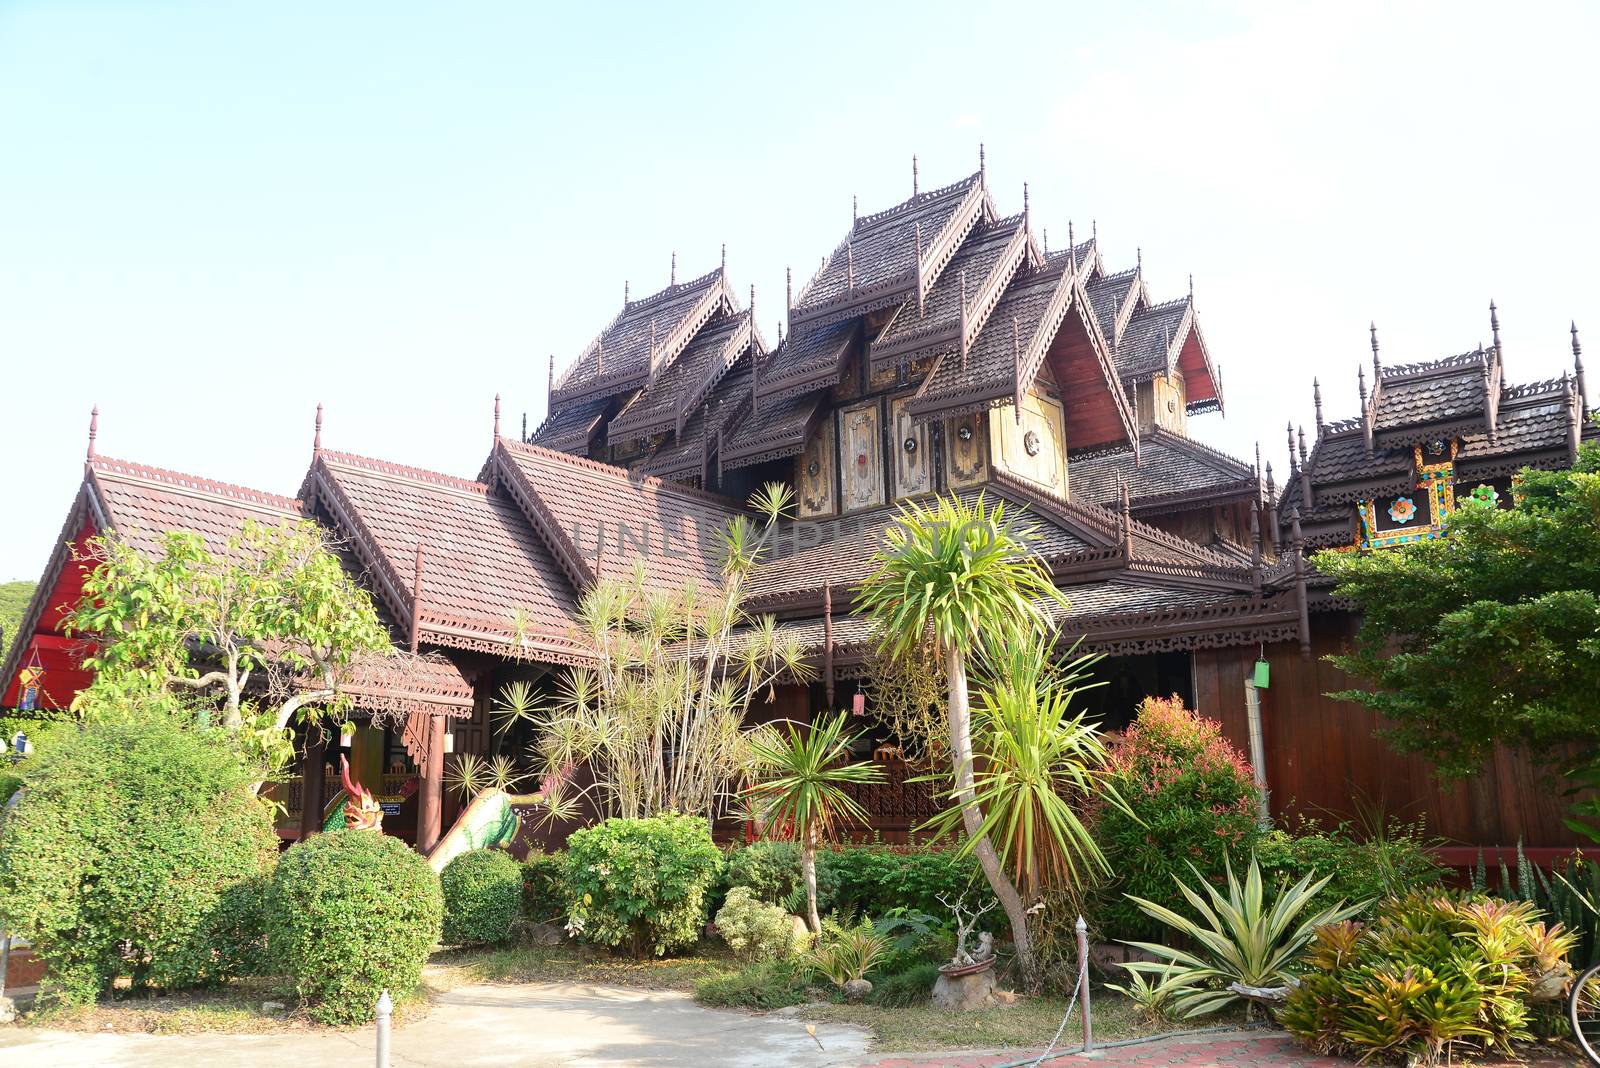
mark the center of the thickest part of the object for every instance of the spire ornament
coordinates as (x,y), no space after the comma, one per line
(914,174)
(1316,397)
(497,417)
(1494,327)
(672,279)
(316,437)
(94,431)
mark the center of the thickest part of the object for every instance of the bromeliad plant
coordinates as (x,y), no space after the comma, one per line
(1435,977)
(1246,947)
(800,789)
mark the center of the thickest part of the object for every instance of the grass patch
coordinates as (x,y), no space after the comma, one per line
(765,986)
(231,1009)
(569,963)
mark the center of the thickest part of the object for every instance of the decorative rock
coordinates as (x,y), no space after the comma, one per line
(857,989)
(272,1006)
(800,934)
(965,992)
(8,1010)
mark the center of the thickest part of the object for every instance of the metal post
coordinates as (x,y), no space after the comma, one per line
(1258,752)
(1082,928)
(385,1008)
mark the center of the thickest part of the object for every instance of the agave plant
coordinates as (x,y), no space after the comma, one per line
(1153,988)
(1244,944)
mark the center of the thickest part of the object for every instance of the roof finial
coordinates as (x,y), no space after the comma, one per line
(752,313)
(1577,368)
(1138,258)
(1294,465)
(1094,229)
(1361,384)
(1072,242)
(914,189)
(1191,287)
(788,297)
(1377,364)
(1271,489)
(1258,458)
(1127,518)
(1024,203)
(316,438)
(1494,327)
(983,167)
(855,210)
(849,265)
(780,333)
(1302,446)
(672,279)
(94,431)
(626,299)
(524,428)
(497,417)
(1316,396)
(724,257)
(550,388)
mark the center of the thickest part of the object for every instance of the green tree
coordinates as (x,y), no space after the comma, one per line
(272,623)
(1491,634)
(14,598)
(801,789)
(954,574)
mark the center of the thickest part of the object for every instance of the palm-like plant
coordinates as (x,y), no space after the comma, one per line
(801,787)
(1241,941)
(950,573)
(1041,762)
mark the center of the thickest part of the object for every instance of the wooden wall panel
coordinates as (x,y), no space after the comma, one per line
(1324,757)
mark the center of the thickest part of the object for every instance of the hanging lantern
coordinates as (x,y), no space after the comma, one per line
(858,703)
(29,680)
(347,734)
(1263,675)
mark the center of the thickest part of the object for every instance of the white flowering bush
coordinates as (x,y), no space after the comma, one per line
(641,884)
(755,930)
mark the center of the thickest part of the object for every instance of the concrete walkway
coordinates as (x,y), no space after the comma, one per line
(528,1026)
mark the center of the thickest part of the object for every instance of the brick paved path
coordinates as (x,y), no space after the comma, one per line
(1241,1050)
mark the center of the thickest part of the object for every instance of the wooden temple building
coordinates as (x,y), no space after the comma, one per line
(941,347)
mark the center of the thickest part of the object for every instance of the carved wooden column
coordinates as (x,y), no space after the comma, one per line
(312,764)
(430,801)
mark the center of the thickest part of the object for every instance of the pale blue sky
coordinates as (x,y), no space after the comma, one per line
(214,215)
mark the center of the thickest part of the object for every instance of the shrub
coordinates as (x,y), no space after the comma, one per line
(1435,976)
(1191,799)
(237,931)
(772,872)
(913,986)
(753,929)
(874,880)
(544,887)
(116,860)
(641,883)
(350,914)
(1358,867)
(482,897)
(771,984)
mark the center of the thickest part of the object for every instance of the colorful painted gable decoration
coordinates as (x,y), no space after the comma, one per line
(1417,514)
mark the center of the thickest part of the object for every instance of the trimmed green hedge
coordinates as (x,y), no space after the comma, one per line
(482,897)
(871,880)
(544,888)
(119,859)
(642,884)
(350,914)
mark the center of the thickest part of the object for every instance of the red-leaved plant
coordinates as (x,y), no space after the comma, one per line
(1192,798)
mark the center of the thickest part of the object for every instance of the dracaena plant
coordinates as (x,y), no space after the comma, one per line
(948,575)
(800,789)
